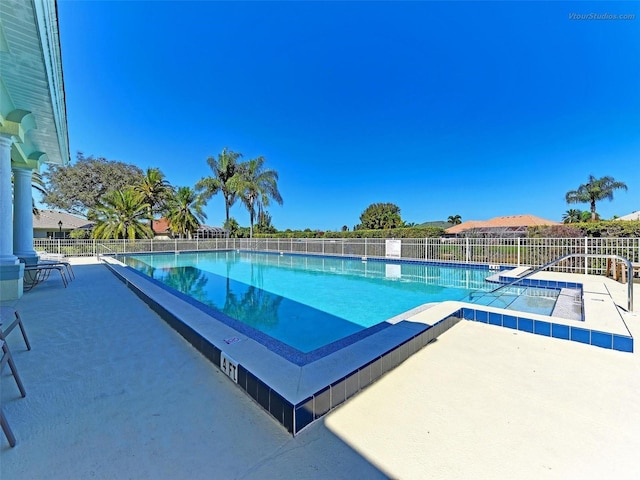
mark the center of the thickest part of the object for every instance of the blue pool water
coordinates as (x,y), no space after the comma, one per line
(308,302)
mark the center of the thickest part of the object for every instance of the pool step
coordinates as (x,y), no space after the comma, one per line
(569,305)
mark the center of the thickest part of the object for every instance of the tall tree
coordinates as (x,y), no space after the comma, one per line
(155,192)
(184,212)
(122,214)
(378,216)
(80,186)
(224,168)
(264,222)
(454,219)
(232,227)
(572,216)
(256,186)
(593,191)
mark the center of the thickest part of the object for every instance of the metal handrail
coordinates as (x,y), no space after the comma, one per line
(106,248)
(574,255)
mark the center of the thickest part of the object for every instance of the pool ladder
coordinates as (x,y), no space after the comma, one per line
(561,259)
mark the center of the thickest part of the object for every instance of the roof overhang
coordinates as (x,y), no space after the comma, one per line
(32,97)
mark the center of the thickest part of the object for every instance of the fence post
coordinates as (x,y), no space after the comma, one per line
(586,250)
(467,252)
(519,247)
(365,247)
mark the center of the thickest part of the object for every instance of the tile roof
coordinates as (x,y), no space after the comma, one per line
(48,219)
(160,225)
(502,222)
(632,216)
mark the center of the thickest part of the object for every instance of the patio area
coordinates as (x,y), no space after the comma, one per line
(114,392)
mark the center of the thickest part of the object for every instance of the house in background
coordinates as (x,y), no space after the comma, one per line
(509,226)
(632,216)
(55,224)
(161,231)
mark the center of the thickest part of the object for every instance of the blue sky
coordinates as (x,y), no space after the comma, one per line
(476,109)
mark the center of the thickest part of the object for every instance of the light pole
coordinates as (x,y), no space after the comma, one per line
(60,227)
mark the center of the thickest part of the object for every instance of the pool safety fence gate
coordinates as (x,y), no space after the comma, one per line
(533,252)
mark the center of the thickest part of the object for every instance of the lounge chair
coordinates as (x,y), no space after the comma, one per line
(45,258)
(44,255)
(7,359)
(10,317)
(35,274)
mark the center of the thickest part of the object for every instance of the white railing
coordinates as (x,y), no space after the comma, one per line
(493,251)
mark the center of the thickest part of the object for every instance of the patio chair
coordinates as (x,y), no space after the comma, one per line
(44,255)
(45,258)
(55,263)
(9,316)
(7,359)
(35,274)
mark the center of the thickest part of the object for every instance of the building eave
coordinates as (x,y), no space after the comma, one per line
(32,95)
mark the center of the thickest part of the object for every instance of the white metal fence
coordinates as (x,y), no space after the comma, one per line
(494,251)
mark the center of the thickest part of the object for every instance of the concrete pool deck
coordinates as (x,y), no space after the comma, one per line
(114,392)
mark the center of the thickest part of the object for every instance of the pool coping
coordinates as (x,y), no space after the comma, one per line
(297,395)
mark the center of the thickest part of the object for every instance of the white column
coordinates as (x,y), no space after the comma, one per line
(22,213)
(11,270)
(6,212)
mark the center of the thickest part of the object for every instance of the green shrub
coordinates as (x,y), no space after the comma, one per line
(408,232)
(605,228)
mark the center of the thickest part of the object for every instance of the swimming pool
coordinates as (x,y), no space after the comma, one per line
(309,302)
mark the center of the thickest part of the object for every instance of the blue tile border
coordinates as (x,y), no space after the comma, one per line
(560,331)
(581,335)
(495,318)
(542,328)
(622,343)
(510,321)
(525,324)
(600,339)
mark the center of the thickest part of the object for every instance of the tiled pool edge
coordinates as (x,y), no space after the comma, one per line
(572,333)
(296,416)
(335,394)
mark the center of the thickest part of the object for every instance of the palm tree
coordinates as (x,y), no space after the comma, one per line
(224,168)
(232,227)
(184,212)
(572,216)
(585,216)
(454,219)
(155,191)
(256,186)
(594,190)
(122,214)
